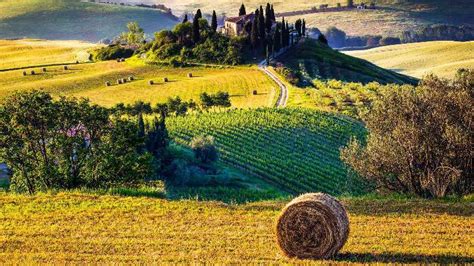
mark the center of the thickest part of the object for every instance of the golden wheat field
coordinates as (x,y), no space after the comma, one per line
(50,228)
(88,79)
(442,58)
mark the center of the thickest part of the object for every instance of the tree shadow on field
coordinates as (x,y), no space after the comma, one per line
(401,258)
(383,207)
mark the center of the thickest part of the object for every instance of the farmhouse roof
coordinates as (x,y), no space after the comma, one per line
(241,19)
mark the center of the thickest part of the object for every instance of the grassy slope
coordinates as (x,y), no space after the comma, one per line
(106,229)
(88,79)
(72,19)
(418,59)
(298,150)
(24,53)
(315,60)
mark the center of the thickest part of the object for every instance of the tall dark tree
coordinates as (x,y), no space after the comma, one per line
(282,34)
(261,24)
(198,14)
(214,21)
(268,18)
(298,25)
(287,32)
(303,28)
(185,18)
(350,3)
(277,39)
(157,138)
(141,126)
(196,30)
(254,34)
(242,10)
(272,13)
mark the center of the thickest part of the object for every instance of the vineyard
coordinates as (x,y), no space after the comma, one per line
(295,149)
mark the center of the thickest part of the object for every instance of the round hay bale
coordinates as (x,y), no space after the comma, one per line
(165,80)
(124,81)
(118,60)
(66,68)
(77,61)
(107,84)
(255,92)
(312,226)
(190,75)
(119,81)
(33,72)
(151,82)
(44,69)
(130,78)
(24,73)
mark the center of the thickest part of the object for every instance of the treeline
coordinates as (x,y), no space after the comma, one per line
(339,39)
(197,40)
(68,143)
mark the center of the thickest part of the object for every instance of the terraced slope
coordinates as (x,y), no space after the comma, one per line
(442,58)
(74,19)
(296,149)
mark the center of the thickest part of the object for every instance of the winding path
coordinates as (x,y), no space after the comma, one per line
(283,97)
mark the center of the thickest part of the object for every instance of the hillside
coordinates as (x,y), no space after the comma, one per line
(295,149)
(392,17)
(418,59)
(74,19)
(313,60)
(91,229)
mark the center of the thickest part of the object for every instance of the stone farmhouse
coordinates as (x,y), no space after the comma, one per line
(235,26)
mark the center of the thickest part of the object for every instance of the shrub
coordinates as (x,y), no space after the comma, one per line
(68,143)
(204,150)
(420,138)
(389,41)
(336,37)
(113,52)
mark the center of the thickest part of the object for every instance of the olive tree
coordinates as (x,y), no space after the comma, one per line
(420,138)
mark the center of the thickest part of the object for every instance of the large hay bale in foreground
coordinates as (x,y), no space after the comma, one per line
(312,226)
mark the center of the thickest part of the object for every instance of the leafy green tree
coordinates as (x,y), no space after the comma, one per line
(336,37)
(242,10)
(135,35)
(204,149)
(214,21)
(68,143)
(157,138)
(184,32)
(420,139)
(206,100)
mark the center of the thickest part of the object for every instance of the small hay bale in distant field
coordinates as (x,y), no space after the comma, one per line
(33,72)
(312,226)
(122,59)
(66,67)
(165,80)
(107,84)
(119,60)
(130,78)
(151,82)
(254,92)
(24,73)
(119,81)
(77,61)
(190,75)
(124,81)
(44,69)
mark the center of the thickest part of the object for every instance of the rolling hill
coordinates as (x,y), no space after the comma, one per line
(74,19)
(442,58)
(313,60)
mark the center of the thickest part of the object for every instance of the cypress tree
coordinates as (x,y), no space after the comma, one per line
(268,18)
(283,34)
(196,31)
(276,40)
(185,18)
(298,26)
(141,126)
(273,13)
(214,21)
(198,14)
(242,10)
(287,34)
(303,30)
(254,33)
(261,24)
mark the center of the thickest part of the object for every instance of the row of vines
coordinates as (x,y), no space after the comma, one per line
(295,149)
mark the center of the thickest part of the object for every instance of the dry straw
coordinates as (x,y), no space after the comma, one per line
(312,226)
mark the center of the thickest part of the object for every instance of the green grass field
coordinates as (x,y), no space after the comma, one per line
(297,150)
(87,228)
(316,61)
(441,58)
(74,19)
